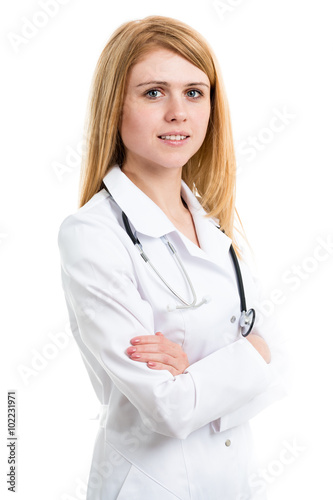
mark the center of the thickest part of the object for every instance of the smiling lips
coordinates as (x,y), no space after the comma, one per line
(173,137)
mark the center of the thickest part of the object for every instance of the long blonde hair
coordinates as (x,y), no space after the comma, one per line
(211,172)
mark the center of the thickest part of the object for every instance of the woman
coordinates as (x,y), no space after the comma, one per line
(176,379)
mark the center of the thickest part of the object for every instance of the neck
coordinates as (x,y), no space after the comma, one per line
(162,185)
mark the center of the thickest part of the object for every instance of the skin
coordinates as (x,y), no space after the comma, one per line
(151,110)
(179,102)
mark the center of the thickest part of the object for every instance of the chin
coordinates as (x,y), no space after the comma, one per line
(164,161)
(174,162)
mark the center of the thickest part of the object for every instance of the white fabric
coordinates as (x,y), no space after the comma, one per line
(163,437)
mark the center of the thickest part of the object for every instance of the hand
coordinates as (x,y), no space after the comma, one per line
(159,353)
(260,345)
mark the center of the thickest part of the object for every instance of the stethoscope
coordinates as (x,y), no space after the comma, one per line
(247,317)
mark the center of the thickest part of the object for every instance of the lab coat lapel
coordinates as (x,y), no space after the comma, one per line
(214,244)
(144,215)
(147,218)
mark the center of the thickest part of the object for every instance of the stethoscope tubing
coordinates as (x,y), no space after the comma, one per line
(247,316)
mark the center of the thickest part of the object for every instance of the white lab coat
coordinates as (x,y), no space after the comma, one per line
(163,437)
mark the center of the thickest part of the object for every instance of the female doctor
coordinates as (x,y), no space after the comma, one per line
(150,280)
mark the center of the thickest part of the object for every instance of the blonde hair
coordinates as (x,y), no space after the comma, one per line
(211,172)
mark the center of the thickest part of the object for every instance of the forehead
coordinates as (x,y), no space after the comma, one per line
(165,65)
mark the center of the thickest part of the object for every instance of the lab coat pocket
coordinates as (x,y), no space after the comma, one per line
(139,486)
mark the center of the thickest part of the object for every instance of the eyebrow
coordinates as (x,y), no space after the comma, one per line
(156,82)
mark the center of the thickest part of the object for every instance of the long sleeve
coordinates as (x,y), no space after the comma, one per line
(266,326)
(100,286)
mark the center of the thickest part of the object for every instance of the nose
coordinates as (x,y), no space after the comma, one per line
(176,109)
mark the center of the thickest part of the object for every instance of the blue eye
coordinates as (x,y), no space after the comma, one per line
(192,92)
(152,93)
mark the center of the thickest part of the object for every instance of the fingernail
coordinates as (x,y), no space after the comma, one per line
(135,356)
(151,363)
(130,350)
(135,341)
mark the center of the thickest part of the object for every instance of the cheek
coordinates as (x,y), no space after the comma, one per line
(128,123)
(136,124)
(130,130)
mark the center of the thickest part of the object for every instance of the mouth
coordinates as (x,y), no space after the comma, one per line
(173,137)
(174,140)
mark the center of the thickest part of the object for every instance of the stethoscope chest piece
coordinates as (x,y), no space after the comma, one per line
(246,321)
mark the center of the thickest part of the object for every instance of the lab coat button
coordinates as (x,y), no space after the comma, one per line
(233,319)
(228,442)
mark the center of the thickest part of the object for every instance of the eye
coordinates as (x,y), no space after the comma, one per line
(192,93)
(153,93)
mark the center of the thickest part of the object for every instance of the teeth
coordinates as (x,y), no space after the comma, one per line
(174,137)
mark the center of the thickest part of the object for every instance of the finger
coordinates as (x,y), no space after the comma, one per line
(155,348)
(162,361)
(148,339)
(145,343)
(165,359)
(160,366)
(158,339)
(173,354)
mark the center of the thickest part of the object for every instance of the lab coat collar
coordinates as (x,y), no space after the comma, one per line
(148,218)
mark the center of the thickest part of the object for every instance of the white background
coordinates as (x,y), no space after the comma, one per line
(275,58)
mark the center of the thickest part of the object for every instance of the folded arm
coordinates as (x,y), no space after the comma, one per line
(110,311)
